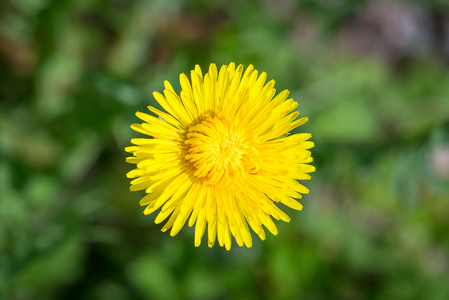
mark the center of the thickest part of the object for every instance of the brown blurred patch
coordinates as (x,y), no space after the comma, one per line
(389,30)
(304,32)
(20,58)
(439,161)
(187,30)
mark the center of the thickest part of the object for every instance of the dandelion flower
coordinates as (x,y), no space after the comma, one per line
(221,155)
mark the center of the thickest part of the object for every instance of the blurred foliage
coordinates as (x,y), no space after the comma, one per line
(372,76)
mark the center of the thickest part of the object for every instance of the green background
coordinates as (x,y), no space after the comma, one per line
(372,76)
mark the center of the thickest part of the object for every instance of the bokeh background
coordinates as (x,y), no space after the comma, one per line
(372,76)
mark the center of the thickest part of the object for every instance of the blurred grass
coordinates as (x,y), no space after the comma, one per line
(73,73)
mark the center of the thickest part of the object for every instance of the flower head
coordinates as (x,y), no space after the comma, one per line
(221,155)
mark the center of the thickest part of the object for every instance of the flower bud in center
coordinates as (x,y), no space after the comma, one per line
(219,152)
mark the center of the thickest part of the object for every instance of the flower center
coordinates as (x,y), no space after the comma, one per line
(220,152)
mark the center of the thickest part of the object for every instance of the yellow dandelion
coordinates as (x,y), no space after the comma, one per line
(221,155)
